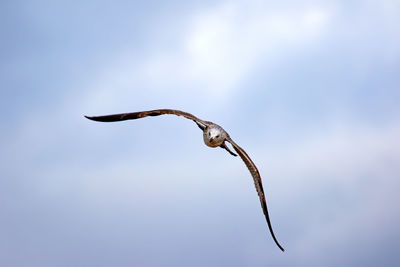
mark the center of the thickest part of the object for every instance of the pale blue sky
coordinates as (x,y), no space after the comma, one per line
(309,88)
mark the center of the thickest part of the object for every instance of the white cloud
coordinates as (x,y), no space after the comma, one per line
(224,44)
(214,53)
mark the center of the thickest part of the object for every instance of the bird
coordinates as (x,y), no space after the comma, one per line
(214,136)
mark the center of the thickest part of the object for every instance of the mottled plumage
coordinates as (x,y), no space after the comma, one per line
(214,136)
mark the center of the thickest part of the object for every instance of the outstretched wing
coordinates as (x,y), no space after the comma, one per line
(258,183)
(142,114)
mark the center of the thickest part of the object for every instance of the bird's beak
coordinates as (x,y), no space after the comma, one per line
(211,139)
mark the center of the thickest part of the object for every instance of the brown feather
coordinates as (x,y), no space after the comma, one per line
(258,184)
(142,114)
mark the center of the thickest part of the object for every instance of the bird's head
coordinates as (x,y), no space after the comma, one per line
(214,136)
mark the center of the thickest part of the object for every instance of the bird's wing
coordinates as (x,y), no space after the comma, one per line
(258,183)
(142,114)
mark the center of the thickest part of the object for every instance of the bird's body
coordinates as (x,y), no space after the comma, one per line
(214,136)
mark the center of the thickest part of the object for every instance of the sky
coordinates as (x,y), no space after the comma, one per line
(310,89)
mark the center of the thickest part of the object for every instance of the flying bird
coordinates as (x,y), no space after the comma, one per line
(214,136)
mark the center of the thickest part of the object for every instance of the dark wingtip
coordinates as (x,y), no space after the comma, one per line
(90,118)
(276,242)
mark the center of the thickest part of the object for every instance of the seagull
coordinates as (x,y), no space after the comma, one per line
(214,136)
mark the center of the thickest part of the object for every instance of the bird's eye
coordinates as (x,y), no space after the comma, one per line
(217,136)
(209,134)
